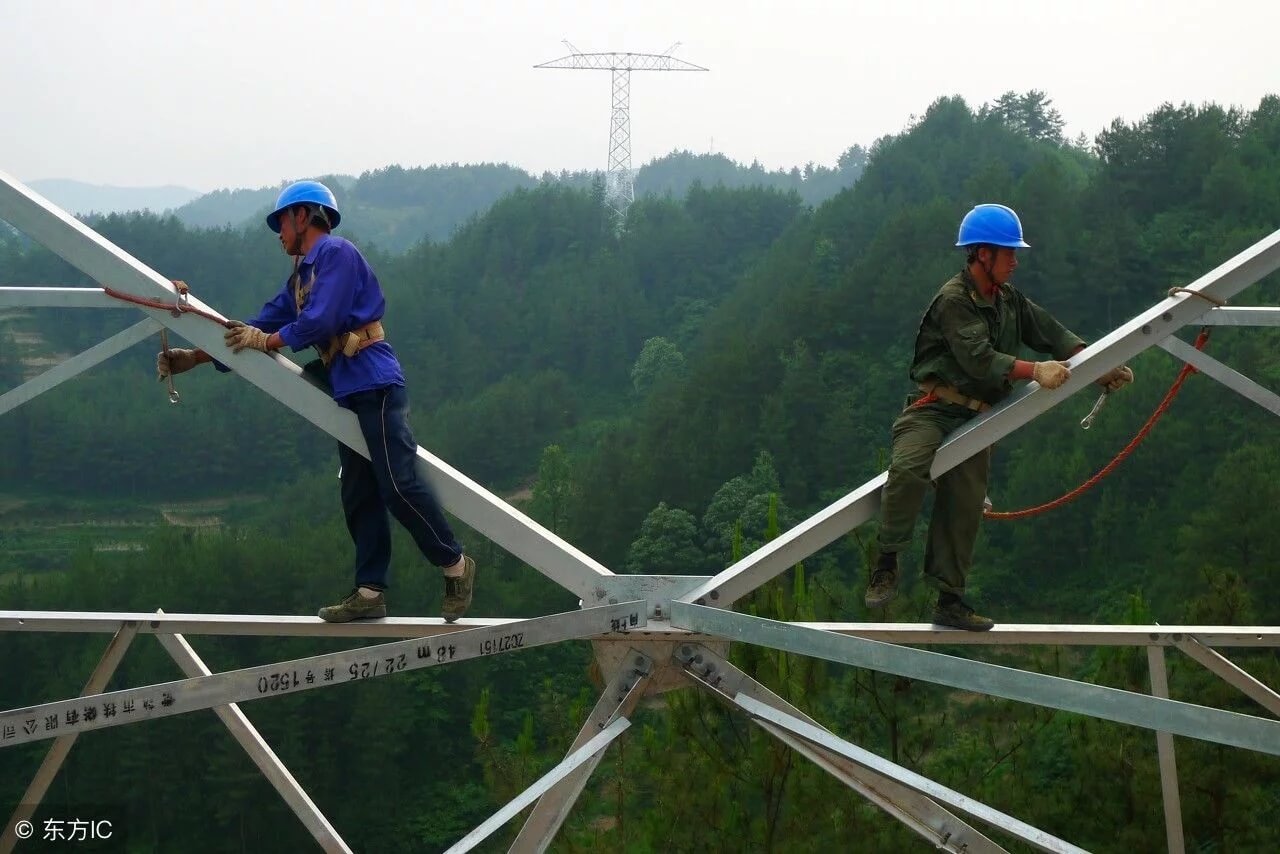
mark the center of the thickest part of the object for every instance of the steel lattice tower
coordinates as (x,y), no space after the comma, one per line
(620,187)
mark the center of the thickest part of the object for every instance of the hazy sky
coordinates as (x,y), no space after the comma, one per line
(248,92)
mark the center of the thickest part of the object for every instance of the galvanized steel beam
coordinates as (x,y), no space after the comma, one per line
(50,720)
(917,812)
(1050,691)
(618,701)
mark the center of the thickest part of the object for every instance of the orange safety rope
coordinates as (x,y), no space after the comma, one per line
(179,306)
(1187,370)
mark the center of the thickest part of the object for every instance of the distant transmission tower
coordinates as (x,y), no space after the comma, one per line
(620,188)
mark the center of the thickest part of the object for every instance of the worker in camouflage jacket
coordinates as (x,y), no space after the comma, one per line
(964,364)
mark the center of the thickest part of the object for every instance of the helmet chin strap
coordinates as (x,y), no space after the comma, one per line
(989,266)
(316,212)
(295,248)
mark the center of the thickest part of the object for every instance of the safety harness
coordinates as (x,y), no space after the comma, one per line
(935,390)
(346,343)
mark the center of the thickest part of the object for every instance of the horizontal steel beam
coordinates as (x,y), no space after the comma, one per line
(77,364)
(44,296)
(1232,379)
(584,754)
(280,378)
(1052,692)
(911,634)
(1056,634)
(1143,332)
(1243,316)
(1020,830)
(50,720)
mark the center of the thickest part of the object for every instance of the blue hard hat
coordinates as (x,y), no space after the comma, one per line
(304,193)
(994,225)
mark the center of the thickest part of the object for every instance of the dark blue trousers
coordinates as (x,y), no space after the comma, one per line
(389,482)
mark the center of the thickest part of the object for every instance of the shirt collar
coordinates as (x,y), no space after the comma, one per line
(972,286)
(315,249)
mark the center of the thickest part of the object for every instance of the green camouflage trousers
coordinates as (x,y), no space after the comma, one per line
(957,508)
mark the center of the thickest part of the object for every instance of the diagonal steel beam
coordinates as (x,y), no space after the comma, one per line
(587,753)
(77,364)
(247,735)
(1022,831)
(1232,379)
(98,679)
(132,705)
(1143,332)
(1232,674)
(618,701)
(917,812)
(105,262)
(1053,692)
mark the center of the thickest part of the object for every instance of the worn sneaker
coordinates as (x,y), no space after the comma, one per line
(884,581)
(957,615)
(355,607)
(457,592)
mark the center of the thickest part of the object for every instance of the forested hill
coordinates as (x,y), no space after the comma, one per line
(669,395)
(395,207)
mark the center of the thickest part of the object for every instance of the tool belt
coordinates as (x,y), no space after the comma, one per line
(351,343)
(934,390)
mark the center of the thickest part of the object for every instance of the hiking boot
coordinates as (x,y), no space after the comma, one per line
(355,607)
(457,592)
(953,612)
(884,581)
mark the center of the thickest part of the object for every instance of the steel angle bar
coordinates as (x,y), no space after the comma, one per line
(917,812)
(618,701)
(1242,316)
(1050,691)
(248,737)
(45,296)
(1232,379)
(785,551)
(77,364)
(582,755)
(106,263)
(98,679)
(239,624)
(1232,674)
(1022,634)
(1167,757)
(1122,344)
(50,720)
(1021,830)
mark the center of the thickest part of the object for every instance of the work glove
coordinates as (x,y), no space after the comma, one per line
(1050,374)
(240,336)
(1117,378)
(176,361)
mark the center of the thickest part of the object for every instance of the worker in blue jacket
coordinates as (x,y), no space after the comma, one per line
(333,302)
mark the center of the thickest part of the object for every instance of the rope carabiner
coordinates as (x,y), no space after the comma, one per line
(1087,421)
(174,397)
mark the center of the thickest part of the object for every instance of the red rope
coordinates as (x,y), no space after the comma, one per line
(176,306)
(1187,370)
